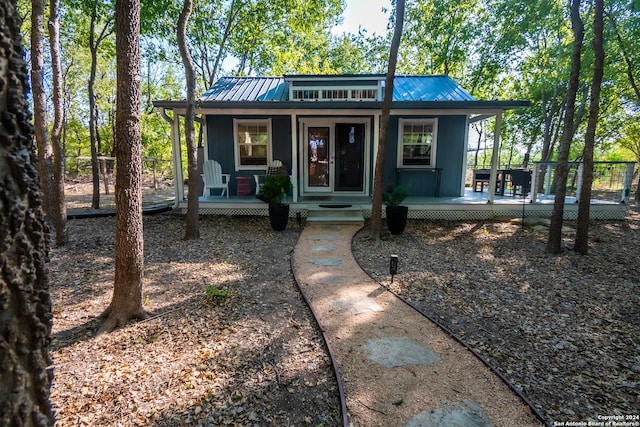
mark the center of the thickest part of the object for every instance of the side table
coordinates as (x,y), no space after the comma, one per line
(243,186)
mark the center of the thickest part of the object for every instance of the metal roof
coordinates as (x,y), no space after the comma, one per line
(248,89)
(405,88)
(428,88)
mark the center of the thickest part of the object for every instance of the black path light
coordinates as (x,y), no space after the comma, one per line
(393,266)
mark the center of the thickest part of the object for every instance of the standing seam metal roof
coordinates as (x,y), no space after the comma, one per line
(405,88)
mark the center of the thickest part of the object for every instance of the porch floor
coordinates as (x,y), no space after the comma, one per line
(473,205)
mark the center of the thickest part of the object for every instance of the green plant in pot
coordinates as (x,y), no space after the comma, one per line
(396,213)
(274,191)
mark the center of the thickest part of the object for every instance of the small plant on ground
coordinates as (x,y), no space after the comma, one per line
(217,296)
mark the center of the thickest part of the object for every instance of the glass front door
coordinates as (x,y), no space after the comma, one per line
(334,153)
(318,158)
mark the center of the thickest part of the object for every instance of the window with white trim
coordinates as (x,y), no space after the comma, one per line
(417,143)
(252,143)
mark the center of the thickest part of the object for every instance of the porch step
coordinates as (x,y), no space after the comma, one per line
(335,215)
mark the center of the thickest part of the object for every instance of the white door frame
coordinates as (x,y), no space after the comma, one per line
(330,122)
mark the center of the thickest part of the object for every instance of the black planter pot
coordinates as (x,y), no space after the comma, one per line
(278,216)
(396,218)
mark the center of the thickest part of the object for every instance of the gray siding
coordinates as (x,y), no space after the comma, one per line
(449,157)
(220,144)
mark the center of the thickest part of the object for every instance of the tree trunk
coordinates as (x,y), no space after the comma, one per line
(59,203)
(25,307)
(562,170)
(582,231)
(40,105)
(126,303)
(376,203)
(93,113)
(192,231)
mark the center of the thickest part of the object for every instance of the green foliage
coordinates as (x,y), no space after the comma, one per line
(396,194)
(216,295)
(275,188)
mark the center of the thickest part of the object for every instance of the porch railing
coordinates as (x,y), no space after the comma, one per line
(612,181)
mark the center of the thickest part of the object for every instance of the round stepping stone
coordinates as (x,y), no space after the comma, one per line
(461,414)
(399,351)
(325,248)
(326,262)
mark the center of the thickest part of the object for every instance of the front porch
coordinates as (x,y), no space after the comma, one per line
(471,206)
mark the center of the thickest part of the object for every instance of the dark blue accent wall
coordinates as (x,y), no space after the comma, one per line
(449,158)
(220,144)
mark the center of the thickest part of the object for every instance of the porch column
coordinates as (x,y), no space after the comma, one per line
(580,179)
(626,186)
(176,154)
(495,157)
(294,156)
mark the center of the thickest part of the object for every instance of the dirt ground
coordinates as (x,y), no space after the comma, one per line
(231,341)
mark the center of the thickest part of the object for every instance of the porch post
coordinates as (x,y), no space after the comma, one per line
(176,154)
(376,138)
(495,158)
(580,179)
(626,187)
(177,159)
(294,156)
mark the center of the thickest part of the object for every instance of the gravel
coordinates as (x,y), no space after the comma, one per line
(564,329)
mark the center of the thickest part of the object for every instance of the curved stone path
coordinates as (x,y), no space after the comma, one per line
(397,367)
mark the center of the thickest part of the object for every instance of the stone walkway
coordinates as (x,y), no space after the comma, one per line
(397,367)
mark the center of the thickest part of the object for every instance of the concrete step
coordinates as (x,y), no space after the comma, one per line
(335,220)
(346,215)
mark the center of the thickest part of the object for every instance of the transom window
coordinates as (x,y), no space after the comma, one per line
(417,143)
(334,94)
(252,143)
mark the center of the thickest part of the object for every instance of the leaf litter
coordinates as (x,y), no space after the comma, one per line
(563,329)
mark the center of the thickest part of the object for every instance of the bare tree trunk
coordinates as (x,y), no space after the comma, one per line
(126,303)
(25,307)
(376,204)
(562,170)
(59,203)
(40,105)
(192,231)
(94,44)
(93,114)
(582,231)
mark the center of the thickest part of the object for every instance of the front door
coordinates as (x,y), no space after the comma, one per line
(334,153)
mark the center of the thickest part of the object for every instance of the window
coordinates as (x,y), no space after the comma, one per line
(252,143)
(417,143)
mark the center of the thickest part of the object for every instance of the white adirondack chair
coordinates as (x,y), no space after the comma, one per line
(214,178)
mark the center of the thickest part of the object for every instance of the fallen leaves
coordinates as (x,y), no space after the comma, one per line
(564,329)
(193,362)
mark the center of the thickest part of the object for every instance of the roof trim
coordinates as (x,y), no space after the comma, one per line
(346,105)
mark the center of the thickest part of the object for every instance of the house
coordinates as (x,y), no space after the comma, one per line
(325,130)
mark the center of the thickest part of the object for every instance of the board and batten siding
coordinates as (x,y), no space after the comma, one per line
(449,157)
(220,144)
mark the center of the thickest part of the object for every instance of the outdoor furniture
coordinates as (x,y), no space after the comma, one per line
(436,182)
(482,177)
(276,167)
(520,179)
(243,186)
(214,178)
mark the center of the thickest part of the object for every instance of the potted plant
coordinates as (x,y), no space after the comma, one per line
(274,191)
(396,213)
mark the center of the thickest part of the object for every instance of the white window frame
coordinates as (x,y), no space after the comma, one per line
(434,142)
(236,143)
